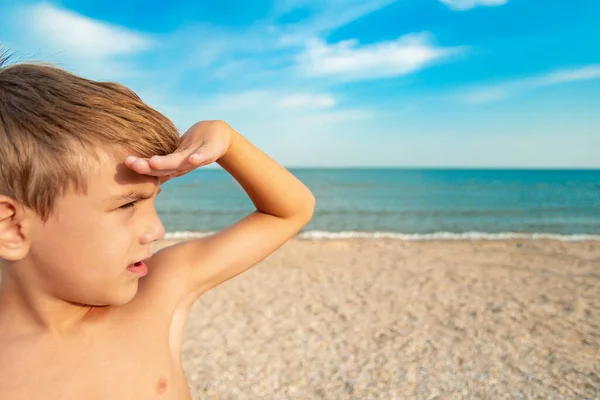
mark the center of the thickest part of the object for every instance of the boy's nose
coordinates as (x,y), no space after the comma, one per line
(154,232)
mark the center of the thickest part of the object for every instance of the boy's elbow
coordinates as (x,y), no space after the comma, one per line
(309,207)
(301,211)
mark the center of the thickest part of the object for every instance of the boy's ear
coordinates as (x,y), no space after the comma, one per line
(13,242)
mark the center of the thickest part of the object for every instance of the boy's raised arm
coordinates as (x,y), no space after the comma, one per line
(283,206)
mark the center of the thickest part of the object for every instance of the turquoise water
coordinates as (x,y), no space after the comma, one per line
(404,201)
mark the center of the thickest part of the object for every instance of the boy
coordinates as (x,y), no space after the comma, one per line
(80,165)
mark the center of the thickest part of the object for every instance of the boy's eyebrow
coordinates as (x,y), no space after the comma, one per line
(134,195)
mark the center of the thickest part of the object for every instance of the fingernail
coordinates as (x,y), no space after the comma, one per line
(130,159)
(195,158)
(155,158)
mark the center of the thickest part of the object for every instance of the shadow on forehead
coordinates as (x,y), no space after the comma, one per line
(126,176)
(122,175)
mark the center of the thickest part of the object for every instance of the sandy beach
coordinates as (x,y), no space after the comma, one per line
(391,319)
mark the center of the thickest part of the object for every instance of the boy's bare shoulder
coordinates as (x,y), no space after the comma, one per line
(166,291)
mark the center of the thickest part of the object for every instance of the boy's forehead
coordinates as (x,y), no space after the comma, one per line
(113,177)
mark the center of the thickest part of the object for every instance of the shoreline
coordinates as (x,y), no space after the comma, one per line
(446,236)
(439,241)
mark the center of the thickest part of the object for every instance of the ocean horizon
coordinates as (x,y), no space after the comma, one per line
(405,203)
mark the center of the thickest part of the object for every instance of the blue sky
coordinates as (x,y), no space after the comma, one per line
(434,83)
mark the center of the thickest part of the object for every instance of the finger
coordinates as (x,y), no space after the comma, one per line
(201,156)
(196,158)
(171,161)
(139,165)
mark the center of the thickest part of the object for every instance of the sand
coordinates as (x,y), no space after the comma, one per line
(390,319)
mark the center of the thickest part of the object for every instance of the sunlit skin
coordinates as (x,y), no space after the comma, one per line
(76,321)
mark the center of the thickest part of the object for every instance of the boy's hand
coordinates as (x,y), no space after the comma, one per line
(205,142)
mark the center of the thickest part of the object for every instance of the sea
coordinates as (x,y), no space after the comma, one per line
(409,204)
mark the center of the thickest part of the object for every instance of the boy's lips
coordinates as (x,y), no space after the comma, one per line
(139,267)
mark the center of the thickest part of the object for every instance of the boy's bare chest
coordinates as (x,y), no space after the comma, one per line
(117,367)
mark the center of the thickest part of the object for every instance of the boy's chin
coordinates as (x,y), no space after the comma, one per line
(118,297)
(125,295)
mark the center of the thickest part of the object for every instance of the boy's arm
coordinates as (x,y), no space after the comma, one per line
(283,206)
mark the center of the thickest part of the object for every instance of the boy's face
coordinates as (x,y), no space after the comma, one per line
(82,253)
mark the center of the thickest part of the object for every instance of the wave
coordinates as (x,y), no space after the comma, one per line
(473,236)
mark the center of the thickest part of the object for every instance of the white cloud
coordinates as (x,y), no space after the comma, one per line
(86,36)
(82,44)
(254,50)
(461,5)
(349,60)
(496,92)
(307,101)
(326,16)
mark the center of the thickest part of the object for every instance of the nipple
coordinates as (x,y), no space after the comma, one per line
(161,387)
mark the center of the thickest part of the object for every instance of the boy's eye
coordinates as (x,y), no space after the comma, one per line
(126,206)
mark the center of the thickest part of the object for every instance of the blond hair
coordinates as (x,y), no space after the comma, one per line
(51,120)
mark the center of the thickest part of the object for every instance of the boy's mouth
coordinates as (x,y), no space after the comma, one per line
(139,268)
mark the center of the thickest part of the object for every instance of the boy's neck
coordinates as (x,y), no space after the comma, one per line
(25,310)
